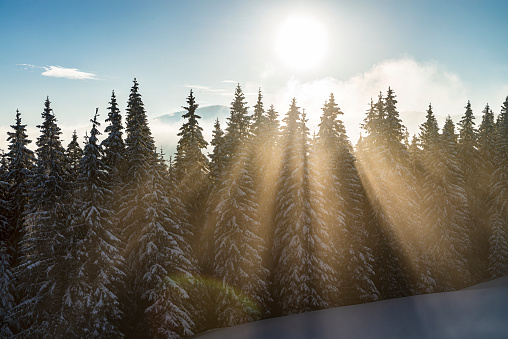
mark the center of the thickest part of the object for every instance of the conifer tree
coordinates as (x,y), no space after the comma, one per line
(113,144)
(73,154)
(139,156)
(498,253)
(20,164)
(92,300)
(303,275)
(470,164)
(340,185)
(45,245)
(445,207)
(7,301)
(239,250)
(163,262)
(191,165)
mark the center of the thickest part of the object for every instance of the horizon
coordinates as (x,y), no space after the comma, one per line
(443,53)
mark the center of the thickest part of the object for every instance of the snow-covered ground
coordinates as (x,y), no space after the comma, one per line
(480,311)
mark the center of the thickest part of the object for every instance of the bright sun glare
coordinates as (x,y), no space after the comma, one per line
(301,42)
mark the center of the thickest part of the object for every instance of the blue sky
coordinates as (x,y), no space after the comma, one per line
(444,52)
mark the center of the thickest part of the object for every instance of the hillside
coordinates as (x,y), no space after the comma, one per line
(480,311)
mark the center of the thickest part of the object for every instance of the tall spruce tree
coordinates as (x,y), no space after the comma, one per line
(445,210)
(41,274)
(341,187)
(303,274)
(498,253)
(113,144)
(139,156)
(7,301)
(470,164)
(191,165)
(73,155)
(91,299)
(239,250)
(20,164)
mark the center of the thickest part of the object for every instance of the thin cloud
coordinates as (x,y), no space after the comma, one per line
(68,73)
(206,88)
(229,81)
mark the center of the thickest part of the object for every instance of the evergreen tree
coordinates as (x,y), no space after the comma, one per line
(91,299)
(7,301)
(73,155)
(445,207)
(163,262)
(41,274)
(498,253)
(113,144)
(470,164)
(340,185)
(20,165)
(239,250)
(390,183)
(303,275)
(238,123)
(191,165)
(139,156)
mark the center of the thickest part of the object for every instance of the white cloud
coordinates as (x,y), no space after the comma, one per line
(415,84)
(68,73)
(205,88)
(229,81)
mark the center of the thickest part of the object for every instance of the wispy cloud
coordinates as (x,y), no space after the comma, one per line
(206,88)
(229,81)
(62,72)
(68,73)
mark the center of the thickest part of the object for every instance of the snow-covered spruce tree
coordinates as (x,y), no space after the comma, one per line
(114,146)
(239,251)
(341,188)
(391,273)
(303,277)
(265,156)
(217,165)
(498,253)
(470,163)
(7,301)
(91,299)
(20,164)
(191,165)
(42,273)
(73,154)
(139,156)
(445,207)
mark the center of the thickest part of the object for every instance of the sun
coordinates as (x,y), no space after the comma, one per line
(301,42)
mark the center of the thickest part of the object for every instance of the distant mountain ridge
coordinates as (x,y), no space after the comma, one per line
(207,113)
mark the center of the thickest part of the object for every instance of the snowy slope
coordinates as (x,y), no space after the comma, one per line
(480,311)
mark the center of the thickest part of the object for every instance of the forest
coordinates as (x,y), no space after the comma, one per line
(110,239)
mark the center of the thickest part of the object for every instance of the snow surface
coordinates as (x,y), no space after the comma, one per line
(480,311)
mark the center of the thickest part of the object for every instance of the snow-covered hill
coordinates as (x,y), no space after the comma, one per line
(480,311)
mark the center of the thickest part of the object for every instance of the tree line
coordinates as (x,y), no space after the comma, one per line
(109,240)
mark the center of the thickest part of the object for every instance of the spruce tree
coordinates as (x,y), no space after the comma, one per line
(470,164)
(163,262)
(113,144)
(139,156)
(303,273)
(20,164)
(191,165)
(498,242)
(445,209)
(92,299)
(340,185)
(239,250)
(45,245)
(73,154)
(7,301)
